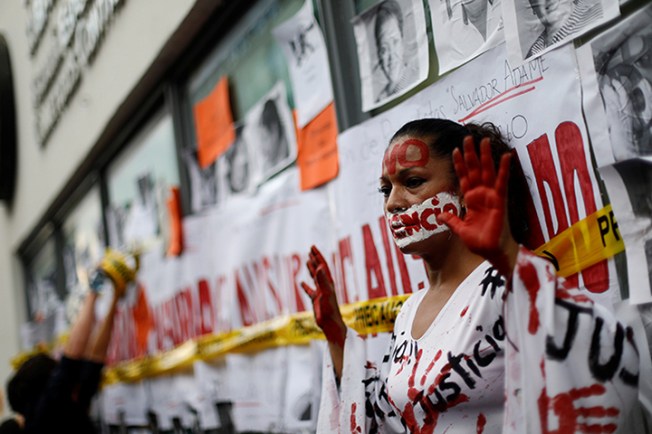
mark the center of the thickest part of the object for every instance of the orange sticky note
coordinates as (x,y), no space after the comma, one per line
(318,157)
(214,124)
(174,211)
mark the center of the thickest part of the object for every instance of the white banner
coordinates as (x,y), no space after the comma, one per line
(552,146)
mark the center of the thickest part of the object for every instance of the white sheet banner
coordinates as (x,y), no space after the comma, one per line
(552,146)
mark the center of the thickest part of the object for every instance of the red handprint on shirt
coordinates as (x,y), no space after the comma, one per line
(572,418)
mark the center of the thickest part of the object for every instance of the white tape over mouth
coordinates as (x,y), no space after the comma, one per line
(420,221)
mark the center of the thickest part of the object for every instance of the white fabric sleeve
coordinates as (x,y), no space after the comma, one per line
(356,406)
(570,365)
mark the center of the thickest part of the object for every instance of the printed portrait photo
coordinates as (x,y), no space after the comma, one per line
(540,25)
(464,29)
(623,66)
(392,50)
(269,134)
(235,165)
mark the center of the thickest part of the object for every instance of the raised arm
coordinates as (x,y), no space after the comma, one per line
(484,226)
(325,307)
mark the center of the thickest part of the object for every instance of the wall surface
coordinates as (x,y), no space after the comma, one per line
(134,39)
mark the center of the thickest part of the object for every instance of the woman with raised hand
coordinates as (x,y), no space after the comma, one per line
(496,343)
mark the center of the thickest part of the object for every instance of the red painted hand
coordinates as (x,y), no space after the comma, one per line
(484,227)
(324,301)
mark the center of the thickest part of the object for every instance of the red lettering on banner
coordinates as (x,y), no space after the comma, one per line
(183,305)
(534,233)
(295,265)
(382,223)
(345,254)
(123,341)
(572,157)
(247,311)
(544,172)
(573,162)
(372,266)
(267,267)
(402,267)
(222,324)
(206,311)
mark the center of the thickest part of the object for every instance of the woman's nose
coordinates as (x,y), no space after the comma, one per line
(395,202)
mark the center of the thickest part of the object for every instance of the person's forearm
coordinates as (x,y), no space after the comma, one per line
(101,344)
(337,356)
(81,330)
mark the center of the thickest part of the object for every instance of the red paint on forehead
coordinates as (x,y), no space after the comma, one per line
(398,153)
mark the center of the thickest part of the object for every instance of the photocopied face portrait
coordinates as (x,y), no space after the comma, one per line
(624,72)
(236,164)
(391,41)
(464,29)
(533,27)
(269,133)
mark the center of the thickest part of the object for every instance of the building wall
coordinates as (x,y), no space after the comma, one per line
(135,38)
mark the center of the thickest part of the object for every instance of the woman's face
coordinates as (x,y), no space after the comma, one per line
(390,50)
(417,186)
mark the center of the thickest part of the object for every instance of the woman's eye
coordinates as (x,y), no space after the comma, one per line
(384,190)
(414,182)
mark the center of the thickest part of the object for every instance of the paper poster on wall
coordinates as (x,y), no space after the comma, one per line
(629,184)
(270,135)
(235,168)
(303,45)
(393,53)
(617,82)
(553,150)
(213,123)
(203,182)
(464,29)
(534,27)
(318,159)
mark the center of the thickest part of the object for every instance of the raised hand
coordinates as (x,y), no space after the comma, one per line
(324,301)
(484,227)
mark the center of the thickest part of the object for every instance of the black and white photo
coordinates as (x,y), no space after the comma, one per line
(464,29)
(270,135)
(392,50)
(533,27)
(235,165)
(616,68)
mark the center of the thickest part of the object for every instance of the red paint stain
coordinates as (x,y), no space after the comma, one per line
(531,281)
(354,423)
(464,311)
(482,421)
(398,153)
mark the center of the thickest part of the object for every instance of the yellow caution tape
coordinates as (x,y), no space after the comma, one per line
(586,243)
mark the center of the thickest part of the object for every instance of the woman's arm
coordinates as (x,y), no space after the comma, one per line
(325,307)
(484,227)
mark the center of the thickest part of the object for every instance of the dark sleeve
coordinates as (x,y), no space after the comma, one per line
(89,382)
(56,396)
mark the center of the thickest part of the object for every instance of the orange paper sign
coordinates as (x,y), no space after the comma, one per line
(318,158)
(176,231)
(214,124)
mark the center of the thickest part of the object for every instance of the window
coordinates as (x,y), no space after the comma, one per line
(138,185)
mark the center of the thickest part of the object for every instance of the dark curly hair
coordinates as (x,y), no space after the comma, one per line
(444,136)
